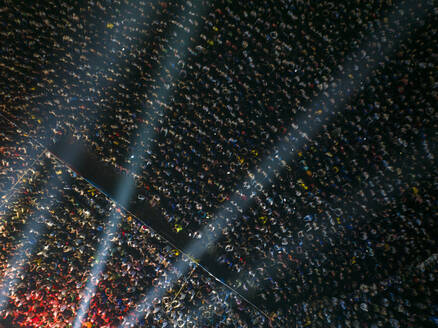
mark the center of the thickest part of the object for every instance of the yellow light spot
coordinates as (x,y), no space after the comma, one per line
(175,252)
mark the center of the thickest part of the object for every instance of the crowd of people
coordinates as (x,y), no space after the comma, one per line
(50,232)
(16,156)
(193,98)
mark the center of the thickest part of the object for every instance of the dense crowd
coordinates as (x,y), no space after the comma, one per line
(193,98)
(50,230)
(15,157)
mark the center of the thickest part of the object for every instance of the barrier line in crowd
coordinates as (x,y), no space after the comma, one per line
(275,161)
(185,283)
